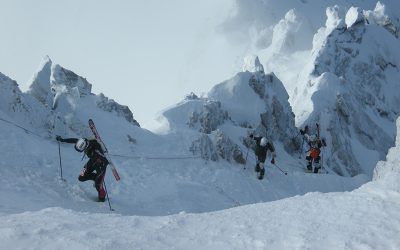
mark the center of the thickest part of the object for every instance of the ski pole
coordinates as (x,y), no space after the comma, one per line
(301,149)
(247,154)
(108,199)
(280,169)
(59,155)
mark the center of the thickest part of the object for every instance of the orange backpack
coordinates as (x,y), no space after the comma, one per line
(314,153)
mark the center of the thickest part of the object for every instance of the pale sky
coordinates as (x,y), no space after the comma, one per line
(145,54)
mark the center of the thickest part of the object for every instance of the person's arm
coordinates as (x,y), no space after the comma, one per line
(66,140)
(256,138)
(305,131)
(272,149)
(97,145)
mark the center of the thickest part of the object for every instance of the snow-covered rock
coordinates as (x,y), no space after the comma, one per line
(258,100)
(23,108)
(250,102)
(209,117)
(384,16)
(354,16)
(64,93)
(349,90)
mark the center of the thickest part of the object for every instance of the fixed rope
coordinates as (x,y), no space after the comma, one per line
(157,157)
(116,155)
(25,129)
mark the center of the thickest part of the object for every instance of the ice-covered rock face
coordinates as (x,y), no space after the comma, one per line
(260,101)
(250,102)
(110,105)
(252,64)
(51,81)
(62,91)
(23,108)
(209,117)
(350,92)
(385,17)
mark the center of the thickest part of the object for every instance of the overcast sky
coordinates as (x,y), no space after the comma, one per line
(144,54)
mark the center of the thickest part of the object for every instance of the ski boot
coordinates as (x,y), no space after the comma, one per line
(261,175)
(316,169)
(317,166)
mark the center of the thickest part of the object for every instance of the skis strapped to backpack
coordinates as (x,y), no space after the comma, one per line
(96,134)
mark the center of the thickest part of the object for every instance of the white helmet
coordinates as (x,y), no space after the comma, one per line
(81,145)
(263,142)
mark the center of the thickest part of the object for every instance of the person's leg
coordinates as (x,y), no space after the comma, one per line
(99,180)
(309,163)
(262,170)
(257,167)
(317,165)
(87,172)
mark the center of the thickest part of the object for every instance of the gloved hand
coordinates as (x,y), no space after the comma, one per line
(273,161)
(251,135)
(58,138)
(323,142)
(305,131)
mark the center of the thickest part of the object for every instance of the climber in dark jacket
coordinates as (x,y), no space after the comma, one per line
(315,143)
(262,147)
(95,168)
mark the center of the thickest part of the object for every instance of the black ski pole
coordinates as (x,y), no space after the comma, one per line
(59,155)
(301,149)
(280,169)
(247,154)
(108,199)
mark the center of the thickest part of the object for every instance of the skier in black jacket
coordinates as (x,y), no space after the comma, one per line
(262,147)
(97,162)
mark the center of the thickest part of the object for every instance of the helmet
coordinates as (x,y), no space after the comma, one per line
(263,142)
(81,145)
(313,138)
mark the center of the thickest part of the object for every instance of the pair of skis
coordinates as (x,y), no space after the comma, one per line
(96,134)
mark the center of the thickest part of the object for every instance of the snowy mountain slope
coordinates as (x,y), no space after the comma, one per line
(157,179)
(284,43)
(348,87)
(160,174)
(279,31)
(366,218)
(303,41)
(22,107)
(250,102)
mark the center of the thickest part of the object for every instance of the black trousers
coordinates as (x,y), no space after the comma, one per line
(95,170)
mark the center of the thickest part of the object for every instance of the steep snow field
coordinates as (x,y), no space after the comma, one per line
(39,211)
(154,182)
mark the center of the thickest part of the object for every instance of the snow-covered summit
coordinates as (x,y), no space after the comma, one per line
(250,102)
(65,93)
(23,108)
(348,88)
